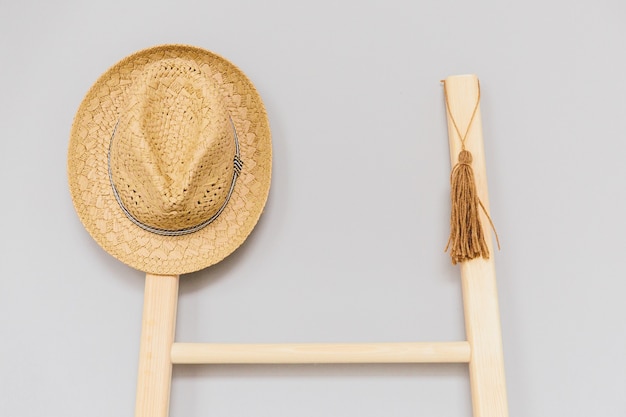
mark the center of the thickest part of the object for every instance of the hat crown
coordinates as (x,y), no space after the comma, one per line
(171,158)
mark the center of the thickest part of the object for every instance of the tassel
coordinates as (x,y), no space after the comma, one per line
(467,240)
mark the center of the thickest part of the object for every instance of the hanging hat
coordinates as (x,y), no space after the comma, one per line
(169,159)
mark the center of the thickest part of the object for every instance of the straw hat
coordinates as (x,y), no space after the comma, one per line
(169,159)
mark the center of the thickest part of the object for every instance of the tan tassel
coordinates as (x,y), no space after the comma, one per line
(467,239)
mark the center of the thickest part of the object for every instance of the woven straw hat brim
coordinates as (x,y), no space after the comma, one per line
(90,187)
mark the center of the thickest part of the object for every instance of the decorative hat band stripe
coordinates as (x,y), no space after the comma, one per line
(237,163)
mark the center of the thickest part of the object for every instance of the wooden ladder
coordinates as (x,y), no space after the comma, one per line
(482,350)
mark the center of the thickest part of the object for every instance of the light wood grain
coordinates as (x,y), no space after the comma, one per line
(157,335)
(480,297)
(290,353)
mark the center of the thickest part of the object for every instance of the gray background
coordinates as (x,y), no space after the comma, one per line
(350,247)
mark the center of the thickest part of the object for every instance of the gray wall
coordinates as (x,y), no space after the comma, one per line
(350,247)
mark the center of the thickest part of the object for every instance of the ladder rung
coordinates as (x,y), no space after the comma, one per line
(293,353)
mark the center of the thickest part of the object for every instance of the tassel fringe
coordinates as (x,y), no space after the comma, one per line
(467,239)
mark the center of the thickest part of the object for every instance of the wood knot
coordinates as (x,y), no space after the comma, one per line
(465,157)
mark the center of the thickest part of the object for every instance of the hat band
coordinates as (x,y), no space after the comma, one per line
(237,164)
